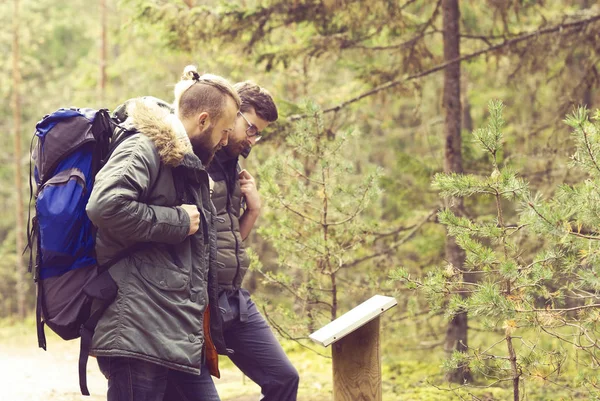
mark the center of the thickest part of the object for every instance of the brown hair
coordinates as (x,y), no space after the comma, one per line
(197,93)
(257,98)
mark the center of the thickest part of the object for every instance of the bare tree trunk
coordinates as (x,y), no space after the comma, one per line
(588,97)
(334,297)
(456,334)
(16,106)
(513,366)
(103,45)
(451,100)
(467,119)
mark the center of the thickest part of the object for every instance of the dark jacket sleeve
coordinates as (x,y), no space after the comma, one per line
(116,202)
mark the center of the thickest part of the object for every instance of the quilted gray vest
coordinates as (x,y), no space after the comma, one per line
(232,260)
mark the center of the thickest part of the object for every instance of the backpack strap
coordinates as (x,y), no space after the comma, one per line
(31,224)
(125,134)
(39,322)
(39,307)
(103,291)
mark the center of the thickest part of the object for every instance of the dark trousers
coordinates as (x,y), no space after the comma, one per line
(135,380)
(257,353)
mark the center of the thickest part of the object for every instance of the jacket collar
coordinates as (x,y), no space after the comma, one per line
(165,130)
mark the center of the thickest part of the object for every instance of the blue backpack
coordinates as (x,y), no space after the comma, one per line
(72,145)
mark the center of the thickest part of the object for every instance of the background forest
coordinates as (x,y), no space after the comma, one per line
(443,152)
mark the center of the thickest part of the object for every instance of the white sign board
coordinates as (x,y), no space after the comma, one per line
(353,319)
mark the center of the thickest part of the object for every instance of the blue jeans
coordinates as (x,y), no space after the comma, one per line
(131,379)
(257,353)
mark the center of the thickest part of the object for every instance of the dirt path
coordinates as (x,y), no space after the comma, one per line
(27,373)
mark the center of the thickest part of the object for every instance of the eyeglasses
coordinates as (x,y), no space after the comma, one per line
(252,130)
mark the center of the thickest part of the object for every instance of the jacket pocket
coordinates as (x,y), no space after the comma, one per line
(163,278)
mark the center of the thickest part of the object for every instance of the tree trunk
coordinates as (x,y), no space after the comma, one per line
(334,297)
(467,120)
(456,334)
(451,99)
(513,366)
(16,106)
(103,45)
(588,97)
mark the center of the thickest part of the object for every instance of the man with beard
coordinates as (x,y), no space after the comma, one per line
(247,338)
(151,205)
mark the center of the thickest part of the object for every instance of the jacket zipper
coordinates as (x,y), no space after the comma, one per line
(228,207)
(237,247)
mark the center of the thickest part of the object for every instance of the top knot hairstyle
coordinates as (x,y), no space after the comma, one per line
(196,93)
(257,98)
(190,72)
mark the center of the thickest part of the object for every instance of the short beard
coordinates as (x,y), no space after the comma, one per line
(237,149)
(203,148)
(206,156)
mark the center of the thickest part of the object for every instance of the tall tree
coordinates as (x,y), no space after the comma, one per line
(103,45)
(366,50)
(16,106)
(316,216)
(457,331)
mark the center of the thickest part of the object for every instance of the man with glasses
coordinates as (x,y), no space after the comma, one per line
(242,333)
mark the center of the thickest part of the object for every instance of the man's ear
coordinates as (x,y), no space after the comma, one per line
(203,120)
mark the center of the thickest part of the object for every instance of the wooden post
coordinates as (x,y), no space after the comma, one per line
(354,337)
(357,365)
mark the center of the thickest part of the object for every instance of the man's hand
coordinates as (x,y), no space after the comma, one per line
(249,191)
(192,211)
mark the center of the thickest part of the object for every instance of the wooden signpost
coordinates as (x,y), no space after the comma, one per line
(356,351)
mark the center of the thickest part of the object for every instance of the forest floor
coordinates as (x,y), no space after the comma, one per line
(28,373)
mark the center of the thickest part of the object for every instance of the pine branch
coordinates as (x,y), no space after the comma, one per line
(408,316)
(393,246)
(302,215)
(318,302)
(588,147)
(394,232)
(358,210)
(561,310)
(485,352)
(301,174)
(422,33)
(304,245)
(391,84)
(285,334)
(424,347)
(585,348)
(283,285)
(408,3)
(402,45)
(536,262)
(573,233)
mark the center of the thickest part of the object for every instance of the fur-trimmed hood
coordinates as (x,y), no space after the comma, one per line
(154,119)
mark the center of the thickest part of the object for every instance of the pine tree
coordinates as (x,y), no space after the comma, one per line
(18,176)
(522,297)
(316,199)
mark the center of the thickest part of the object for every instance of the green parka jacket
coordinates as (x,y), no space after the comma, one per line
(158,313)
